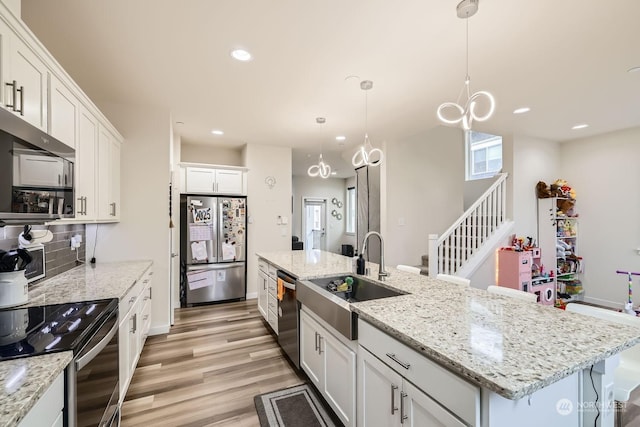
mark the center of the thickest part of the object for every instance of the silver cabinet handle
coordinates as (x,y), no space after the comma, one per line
(113,209)
(134,328)
(14,94)
(320,344)
(84,205)
(393,399)
(150,289)
(402,414)
(21,110)
(317,341)
(393,357)
(80,212)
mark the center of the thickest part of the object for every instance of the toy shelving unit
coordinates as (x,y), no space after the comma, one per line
(558,239)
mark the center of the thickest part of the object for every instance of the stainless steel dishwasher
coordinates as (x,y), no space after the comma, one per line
(288,317)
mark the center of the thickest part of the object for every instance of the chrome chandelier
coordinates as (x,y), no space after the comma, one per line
(452,113)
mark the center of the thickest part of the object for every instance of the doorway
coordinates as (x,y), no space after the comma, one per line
(314,219)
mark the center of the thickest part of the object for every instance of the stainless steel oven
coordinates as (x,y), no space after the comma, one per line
(288,322)
(92,378)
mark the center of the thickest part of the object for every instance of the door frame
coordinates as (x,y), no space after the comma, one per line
(304,219)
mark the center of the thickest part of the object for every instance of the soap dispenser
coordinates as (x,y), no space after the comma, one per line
(360,263)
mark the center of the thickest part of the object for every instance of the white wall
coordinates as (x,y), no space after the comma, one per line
(200,153)
(305,186)
(424,191)
(264,205)
(143,231)
(605,172)
(533,160)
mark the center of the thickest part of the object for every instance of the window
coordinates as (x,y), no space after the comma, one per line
(484,155)
(351,210)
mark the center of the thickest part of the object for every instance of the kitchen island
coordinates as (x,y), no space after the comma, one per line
(24,380)
(514,351)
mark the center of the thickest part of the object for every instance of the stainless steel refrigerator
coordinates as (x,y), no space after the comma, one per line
(212,249)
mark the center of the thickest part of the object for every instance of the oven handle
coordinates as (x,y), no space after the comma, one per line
(84,360)
(288,285)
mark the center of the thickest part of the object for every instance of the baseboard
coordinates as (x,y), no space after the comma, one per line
(252,295)
(604,302)
(159,330)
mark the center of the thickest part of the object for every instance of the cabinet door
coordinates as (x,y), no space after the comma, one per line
(311,360)
(85,167)
(200,180)
(419,410)
(63,113)
(134,338)
(339,378)
(228,181)
(109,176)
(31,76)
(123,351)
(262,294)
(378,392)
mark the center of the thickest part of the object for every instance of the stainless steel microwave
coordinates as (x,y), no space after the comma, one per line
(36,174)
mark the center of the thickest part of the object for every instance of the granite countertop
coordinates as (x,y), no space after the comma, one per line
(88,282)
(24,381)
(511,347)
(83,283)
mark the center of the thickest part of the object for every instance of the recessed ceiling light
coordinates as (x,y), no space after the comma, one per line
(340,138)
(241,55)
(580,126)
(217,132)
(521,110)
(633,70)
(334,173)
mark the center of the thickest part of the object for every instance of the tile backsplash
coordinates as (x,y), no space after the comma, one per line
(58,254)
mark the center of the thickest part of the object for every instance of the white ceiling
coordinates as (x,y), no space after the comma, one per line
(566,60)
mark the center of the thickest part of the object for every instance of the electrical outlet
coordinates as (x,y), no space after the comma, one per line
(75,242)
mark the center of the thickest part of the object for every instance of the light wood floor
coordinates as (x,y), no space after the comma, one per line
(207,370)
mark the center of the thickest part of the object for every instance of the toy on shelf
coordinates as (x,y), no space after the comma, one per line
(628,307)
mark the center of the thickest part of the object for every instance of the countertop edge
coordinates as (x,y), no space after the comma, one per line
(15,412)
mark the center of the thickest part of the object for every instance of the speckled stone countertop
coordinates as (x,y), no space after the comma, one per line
(24,381)
(88,282)
(84,283)
(511,347)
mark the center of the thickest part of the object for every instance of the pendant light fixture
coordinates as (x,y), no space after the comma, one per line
(452,113)
(322,169)
(366,154)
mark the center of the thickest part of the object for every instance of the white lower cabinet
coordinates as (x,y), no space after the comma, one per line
(134,324)
(48,409)
(330,363)
(268,293)
(263,294)
(387,399)
(401,386)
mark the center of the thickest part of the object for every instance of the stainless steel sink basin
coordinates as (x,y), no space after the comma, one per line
(333,307)
(361,290)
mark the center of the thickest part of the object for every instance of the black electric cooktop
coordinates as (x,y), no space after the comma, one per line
(33,331)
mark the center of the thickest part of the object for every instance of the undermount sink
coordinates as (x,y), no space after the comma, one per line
(333,307)
(361,289)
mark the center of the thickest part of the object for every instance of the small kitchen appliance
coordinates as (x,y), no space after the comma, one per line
(14,288)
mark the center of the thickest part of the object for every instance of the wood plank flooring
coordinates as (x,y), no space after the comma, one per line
(207,369)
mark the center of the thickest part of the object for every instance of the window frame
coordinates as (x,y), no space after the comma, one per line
(483,144)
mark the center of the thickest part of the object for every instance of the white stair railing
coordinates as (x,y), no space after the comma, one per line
(450,251)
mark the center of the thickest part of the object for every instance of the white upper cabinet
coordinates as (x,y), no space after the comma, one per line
(26,84)
(108,176)
(63,113)
(214,181)
(85,171)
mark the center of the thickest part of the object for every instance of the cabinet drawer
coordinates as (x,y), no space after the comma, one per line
(273,287)
(272,303)
(263,265)
(273,320)
(273,271)
(127,303)
(457,395)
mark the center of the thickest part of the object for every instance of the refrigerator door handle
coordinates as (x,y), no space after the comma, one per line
(221,266)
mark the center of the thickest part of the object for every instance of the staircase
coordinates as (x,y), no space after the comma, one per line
(472,237)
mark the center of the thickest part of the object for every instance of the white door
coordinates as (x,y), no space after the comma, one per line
(420,410)
(315,223)
(311,360)
(340,378)
(378,392)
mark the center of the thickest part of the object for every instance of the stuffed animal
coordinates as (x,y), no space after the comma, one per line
(542,190)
